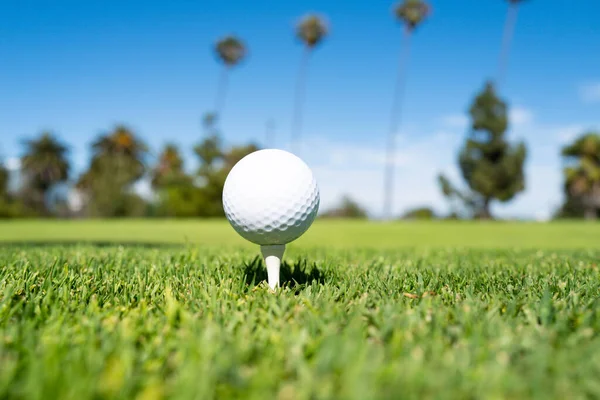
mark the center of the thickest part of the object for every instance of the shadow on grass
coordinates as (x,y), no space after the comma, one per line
(75,243)
(295,276)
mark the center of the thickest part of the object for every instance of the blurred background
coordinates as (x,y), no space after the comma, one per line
(417,109)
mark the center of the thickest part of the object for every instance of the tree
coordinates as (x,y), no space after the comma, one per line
(169,169)
(230,51)
(582,173)
(10,206)
(465,205)
(121,152)
(572,208)
(348,208)
(4,175)
(311,30)
(420,213)
(118,161)
(491,167)
(43,165)
(411,13)
(507,38)
(216,164)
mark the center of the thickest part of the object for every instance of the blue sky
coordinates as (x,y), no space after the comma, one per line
(78,68)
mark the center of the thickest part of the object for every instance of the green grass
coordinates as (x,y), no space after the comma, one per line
(368,311)
(329,234)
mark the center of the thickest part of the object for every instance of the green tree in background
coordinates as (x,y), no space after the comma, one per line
(491,167)
(507,38)
(411,13)
(462,205)
(118,161)
(348,208)
(177,194)
(230,51)
(215,164)
(311,30)
(582,174)
(419,213)
(209,151)
(4,175)
(169,169)
(43,165)
(10,207)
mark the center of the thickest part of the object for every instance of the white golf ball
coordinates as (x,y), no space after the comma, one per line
(271,197)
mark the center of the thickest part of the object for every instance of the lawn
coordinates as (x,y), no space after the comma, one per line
(323,234)
(179,310)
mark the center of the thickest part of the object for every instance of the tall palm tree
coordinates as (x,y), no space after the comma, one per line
(311,30)
(583,172)
(230,51)
(43,165)
(507,37)
(411,14)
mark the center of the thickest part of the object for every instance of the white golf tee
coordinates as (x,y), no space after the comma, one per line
(273,255)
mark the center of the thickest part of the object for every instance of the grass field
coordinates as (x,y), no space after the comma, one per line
(324,234)
(179,310)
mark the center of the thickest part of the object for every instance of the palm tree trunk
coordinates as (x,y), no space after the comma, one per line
(221,92)
(394,124)
(299,100)
(509,30)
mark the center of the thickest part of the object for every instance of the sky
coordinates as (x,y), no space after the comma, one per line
(78,68)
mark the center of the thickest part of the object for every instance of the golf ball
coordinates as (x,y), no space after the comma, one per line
(270,197)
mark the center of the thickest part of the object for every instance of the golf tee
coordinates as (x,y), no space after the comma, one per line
(272,255)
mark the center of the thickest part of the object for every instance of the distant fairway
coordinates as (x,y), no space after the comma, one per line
(326,234)
(103,310)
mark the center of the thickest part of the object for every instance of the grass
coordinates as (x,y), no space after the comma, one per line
(368,311)
(326,234)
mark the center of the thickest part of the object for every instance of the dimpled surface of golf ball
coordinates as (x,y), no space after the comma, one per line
(271,197)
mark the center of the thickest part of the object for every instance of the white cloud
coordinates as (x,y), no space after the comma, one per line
(356,169)
(590,92)
(455,121)
(519,116)
(13,163)
(567,133)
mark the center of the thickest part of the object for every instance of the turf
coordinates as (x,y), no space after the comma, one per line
(329,234)
(387,320)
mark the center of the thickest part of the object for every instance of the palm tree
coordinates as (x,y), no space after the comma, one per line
(411,13)
(507,37)
(118,160)
(230,51)
(43,165)
(122,145)
(169,168)
(583,172)
(311,30)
